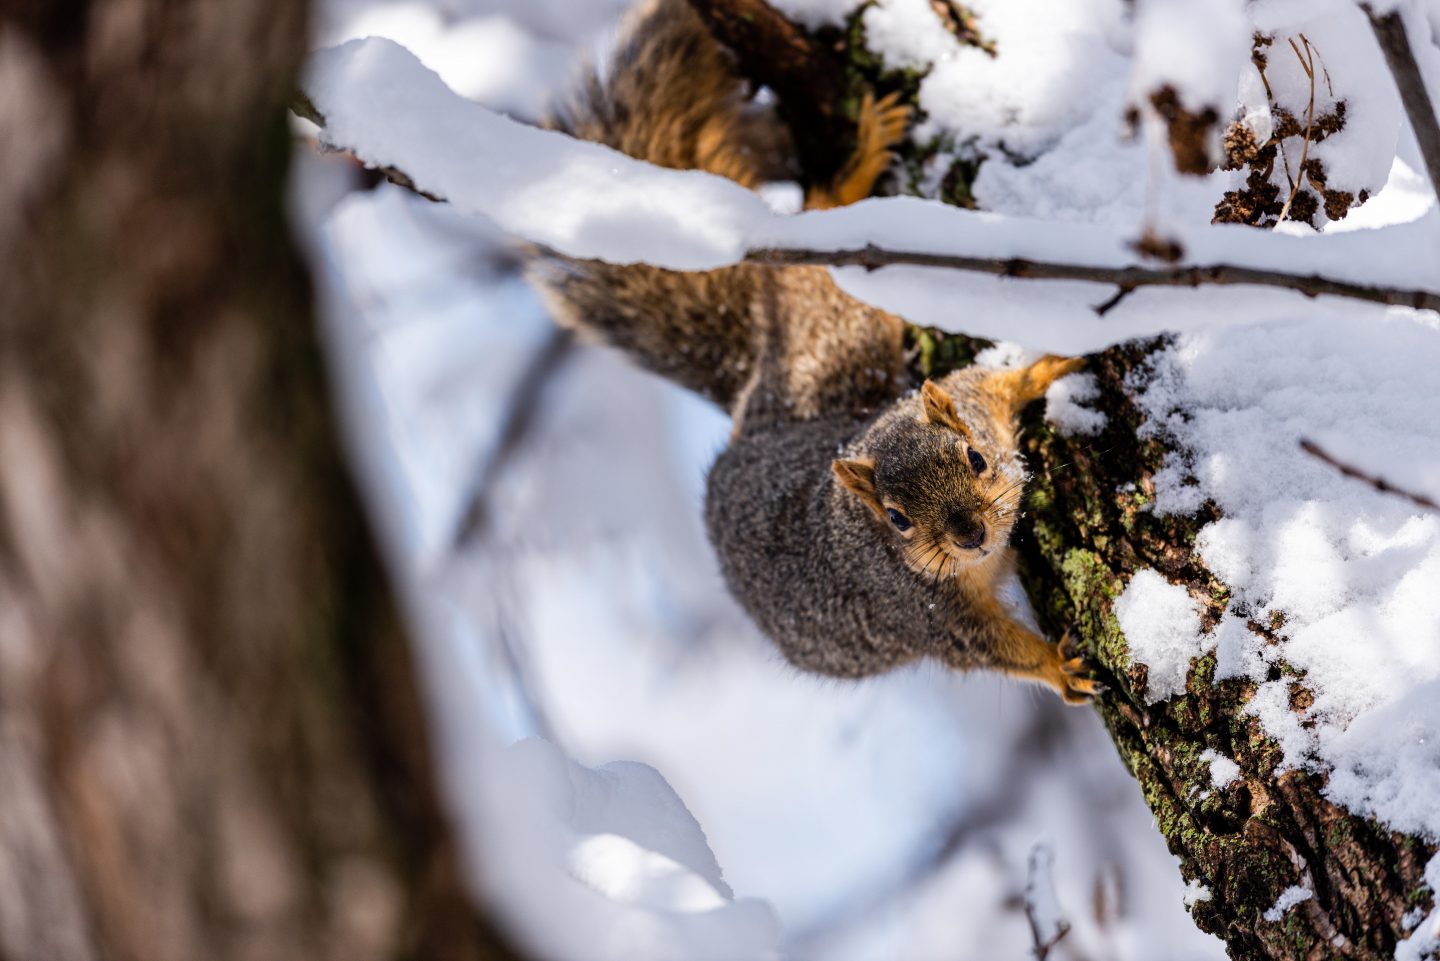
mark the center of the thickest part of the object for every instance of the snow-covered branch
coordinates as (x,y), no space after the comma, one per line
(1126,278)
(584,200)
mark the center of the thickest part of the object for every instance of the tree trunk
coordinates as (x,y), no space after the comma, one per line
(1079,545)
(1264,832)
(211,743)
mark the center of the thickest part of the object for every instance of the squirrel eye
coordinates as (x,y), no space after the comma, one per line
(977,463)
(901,522)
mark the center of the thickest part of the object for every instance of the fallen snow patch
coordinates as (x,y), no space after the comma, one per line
(1223,770)
(1195,892)
(1064,406)
(1161,623)
(643,881)
(1288,898)
(1424,941)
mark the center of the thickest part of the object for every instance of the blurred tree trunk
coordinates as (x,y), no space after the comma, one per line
(211,743)
(1087,531)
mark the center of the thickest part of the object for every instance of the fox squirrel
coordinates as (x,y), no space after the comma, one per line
(853,564)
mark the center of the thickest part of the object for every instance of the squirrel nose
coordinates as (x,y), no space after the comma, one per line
(967,529)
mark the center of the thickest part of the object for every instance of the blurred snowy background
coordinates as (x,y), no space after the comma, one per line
(903,817)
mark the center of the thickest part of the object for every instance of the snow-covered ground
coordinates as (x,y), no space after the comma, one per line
(897,818)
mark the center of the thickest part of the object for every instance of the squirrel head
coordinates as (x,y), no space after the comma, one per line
(931,482)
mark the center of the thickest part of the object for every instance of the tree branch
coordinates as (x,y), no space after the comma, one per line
(1395,43)
(519,415)
(1311,285)
(808,77)
(1125,278)
(302,106)
(1374,480)
(1047,928)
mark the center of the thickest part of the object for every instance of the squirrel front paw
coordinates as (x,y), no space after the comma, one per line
(1073,669)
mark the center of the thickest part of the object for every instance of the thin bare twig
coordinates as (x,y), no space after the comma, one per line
(1311,285)
(1029,753)
(520,413)
(1309,69)
(1121,293)
(1395,43)
(1374,480)
(1045,931)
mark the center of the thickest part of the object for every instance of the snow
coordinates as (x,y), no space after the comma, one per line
(1424,940)
(1161,623)
(486,58)
(380,100)
(1195,892)
(1359,156)
(818,798)
(1043,906)
(1064,406)
(817,13)
(1197,48)
(1223,770)
(643,882)
(589,201)
(1288,898)
(908,34)
(1352,571)
(1060,64)
(611,848)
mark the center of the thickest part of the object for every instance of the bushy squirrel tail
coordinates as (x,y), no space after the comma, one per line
(670,96)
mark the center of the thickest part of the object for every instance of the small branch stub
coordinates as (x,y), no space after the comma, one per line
(1395,44)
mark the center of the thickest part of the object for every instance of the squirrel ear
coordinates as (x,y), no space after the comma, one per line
(938,408)
(858,477)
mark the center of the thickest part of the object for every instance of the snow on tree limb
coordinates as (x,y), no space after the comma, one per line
(585,200)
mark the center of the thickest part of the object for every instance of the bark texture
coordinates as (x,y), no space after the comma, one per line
(1087,531)
(211,745)
(807,73)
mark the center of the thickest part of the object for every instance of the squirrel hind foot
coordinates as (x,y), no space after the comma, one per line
(880,126)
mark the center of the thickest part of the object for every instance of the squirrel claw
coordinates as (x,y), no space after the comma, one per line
(879,125)
(1075,686)
(891,118)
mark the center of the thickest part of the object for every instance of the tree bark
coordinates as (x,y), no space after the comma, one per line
(808,74)
(211,742)
(1264,832)
(1079,544)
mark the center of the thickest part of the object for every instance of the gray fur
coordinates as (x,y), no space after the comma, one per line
(810,375)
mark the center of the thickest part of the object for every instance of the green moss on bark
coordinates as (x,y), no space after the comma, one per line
(1088,528)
